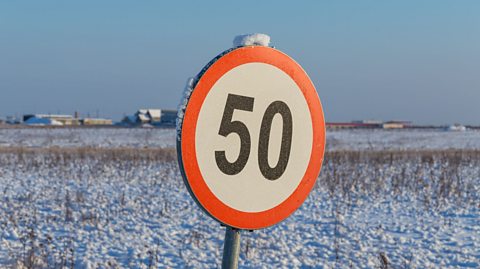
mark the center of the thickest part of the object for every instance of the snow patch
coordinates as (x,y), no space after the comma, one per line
(251,40)
(137,213)
(457,128)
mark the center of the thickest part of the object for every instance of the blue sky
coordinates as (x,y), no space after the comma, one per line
(412,60)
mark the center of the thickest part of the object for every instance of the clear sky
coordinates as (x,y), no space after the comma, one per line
(411,60)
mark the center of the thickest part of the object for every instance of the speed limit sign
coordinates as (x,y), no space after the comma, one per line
(253,137)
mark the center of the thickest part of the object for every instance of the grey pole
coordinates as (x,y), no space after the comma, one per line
(231,248)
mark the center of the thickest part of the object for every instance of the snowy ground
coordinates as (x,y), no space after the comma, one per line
(87,137)
(107,208)
(415,139)
(360,139)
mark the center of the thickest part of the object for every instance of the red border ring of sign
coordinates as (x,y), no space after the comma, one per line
(204,196)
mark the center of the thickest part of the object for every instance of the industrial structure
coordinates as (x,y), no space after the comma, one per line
(369,124)
(95,121)
(396,124)
(62,120)
(151,117)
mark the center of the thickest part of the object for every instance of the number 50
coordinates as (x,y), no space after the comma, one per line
(227,126)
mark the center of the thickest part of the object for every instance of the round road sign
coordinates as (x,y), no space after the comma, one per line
(253,137)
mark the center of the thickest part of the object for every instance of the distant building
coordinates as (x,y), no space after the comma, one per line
(62,120)
(369,124)
(153,117)
(169,118)
(396,124)
(95,121)
(12,120)
(351,125)
(35,119)
(376,122)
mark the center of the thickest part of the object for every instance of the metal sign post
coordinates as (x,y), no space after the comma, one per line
(231,248)
(251,141)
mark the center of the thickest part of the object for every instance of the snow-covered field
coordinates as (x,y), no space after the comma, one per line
(110,198)
(361,139)
(87,137)
(414,139)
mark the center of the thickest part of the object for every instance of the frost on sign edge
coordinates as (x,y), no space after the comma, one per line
(187,91)
(238,41)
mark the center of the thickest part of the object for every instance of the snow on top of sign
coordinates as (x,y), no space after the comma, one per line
(187,91)
(251,40)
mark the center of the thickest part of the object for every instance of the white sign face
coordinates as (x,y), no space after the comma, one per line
(252,138)
(256,86)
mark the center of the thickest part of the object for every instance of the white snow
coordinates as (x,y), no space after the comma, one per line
(251,40)
(457,128)
(336,139)
(105,211)
(87,137)
(407,139)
